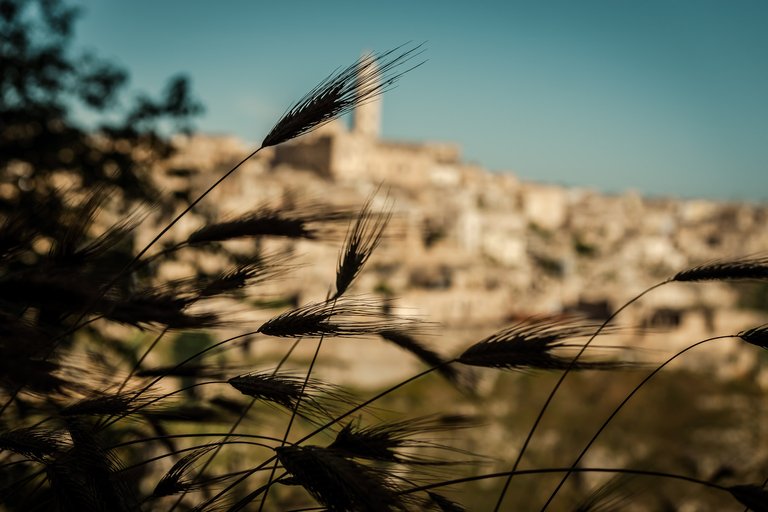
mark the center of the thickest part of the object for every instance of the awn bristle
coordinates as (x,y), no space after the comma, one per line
(313,396)
(77,221)
(123,403)
(33,443)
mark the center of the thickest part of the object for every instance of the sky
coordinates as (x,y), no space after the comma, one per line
(664,97)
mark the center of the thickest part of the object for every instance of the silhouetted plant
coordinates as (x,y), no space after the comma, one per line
(93,424)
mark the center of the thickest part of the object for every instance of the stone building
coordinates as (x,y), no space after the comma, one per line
(359,154)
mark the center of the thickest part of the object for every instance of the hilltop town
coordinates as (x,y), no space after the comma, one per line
(471,249)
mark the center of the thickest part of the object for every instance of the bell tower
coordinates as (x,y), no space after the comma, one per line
(366,118)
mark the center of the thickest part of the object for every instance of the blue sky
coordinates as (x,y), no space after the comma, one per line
(667,97)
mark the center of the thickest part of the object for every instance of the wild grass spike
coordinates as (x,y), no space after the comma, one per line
(341,484)
(395,442)
(721,270)
(362,239)
(309,222)
(123,404)
(172,482)
(341,92)
(286,390)
(535,344)
(263,222)
(757,336)
(341,318)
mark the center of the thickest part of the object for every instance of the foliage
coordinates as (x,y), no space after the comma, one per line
(46,155)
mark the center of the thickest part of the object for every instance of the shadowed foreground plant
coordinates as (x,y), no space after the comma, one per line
(363,238)
(341,92)
(726,270)
(394,442)
(91,425)
(750,495)
(621,405)
(721,270)
(431,358)
(290,392)
(77,285)
(335,318)
(172,482)
(34,443)
(309,223)
(340,483)
(535,344)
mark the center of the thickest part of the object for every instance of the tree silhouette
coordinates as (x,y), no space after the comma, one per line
(46,154)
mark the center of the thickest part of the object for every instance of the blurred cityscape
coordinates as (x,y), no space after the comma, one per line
(472,250)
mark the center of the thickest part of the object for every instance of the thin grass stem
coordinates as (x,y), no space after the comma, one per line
(290,421)
(236,424)
(326,426)
(186,436)
(142,358)
(557,387)
(543,471)
(619,407)
(188,449)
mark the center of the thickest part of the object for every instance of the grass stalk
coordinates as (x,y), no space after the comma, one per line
(556,387)
(619,407)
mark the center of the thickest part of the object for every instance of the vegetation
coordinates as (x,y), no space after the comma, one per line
(118,393)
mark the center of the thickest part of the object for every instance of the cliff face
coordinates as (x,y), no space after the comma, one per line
(472,248)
